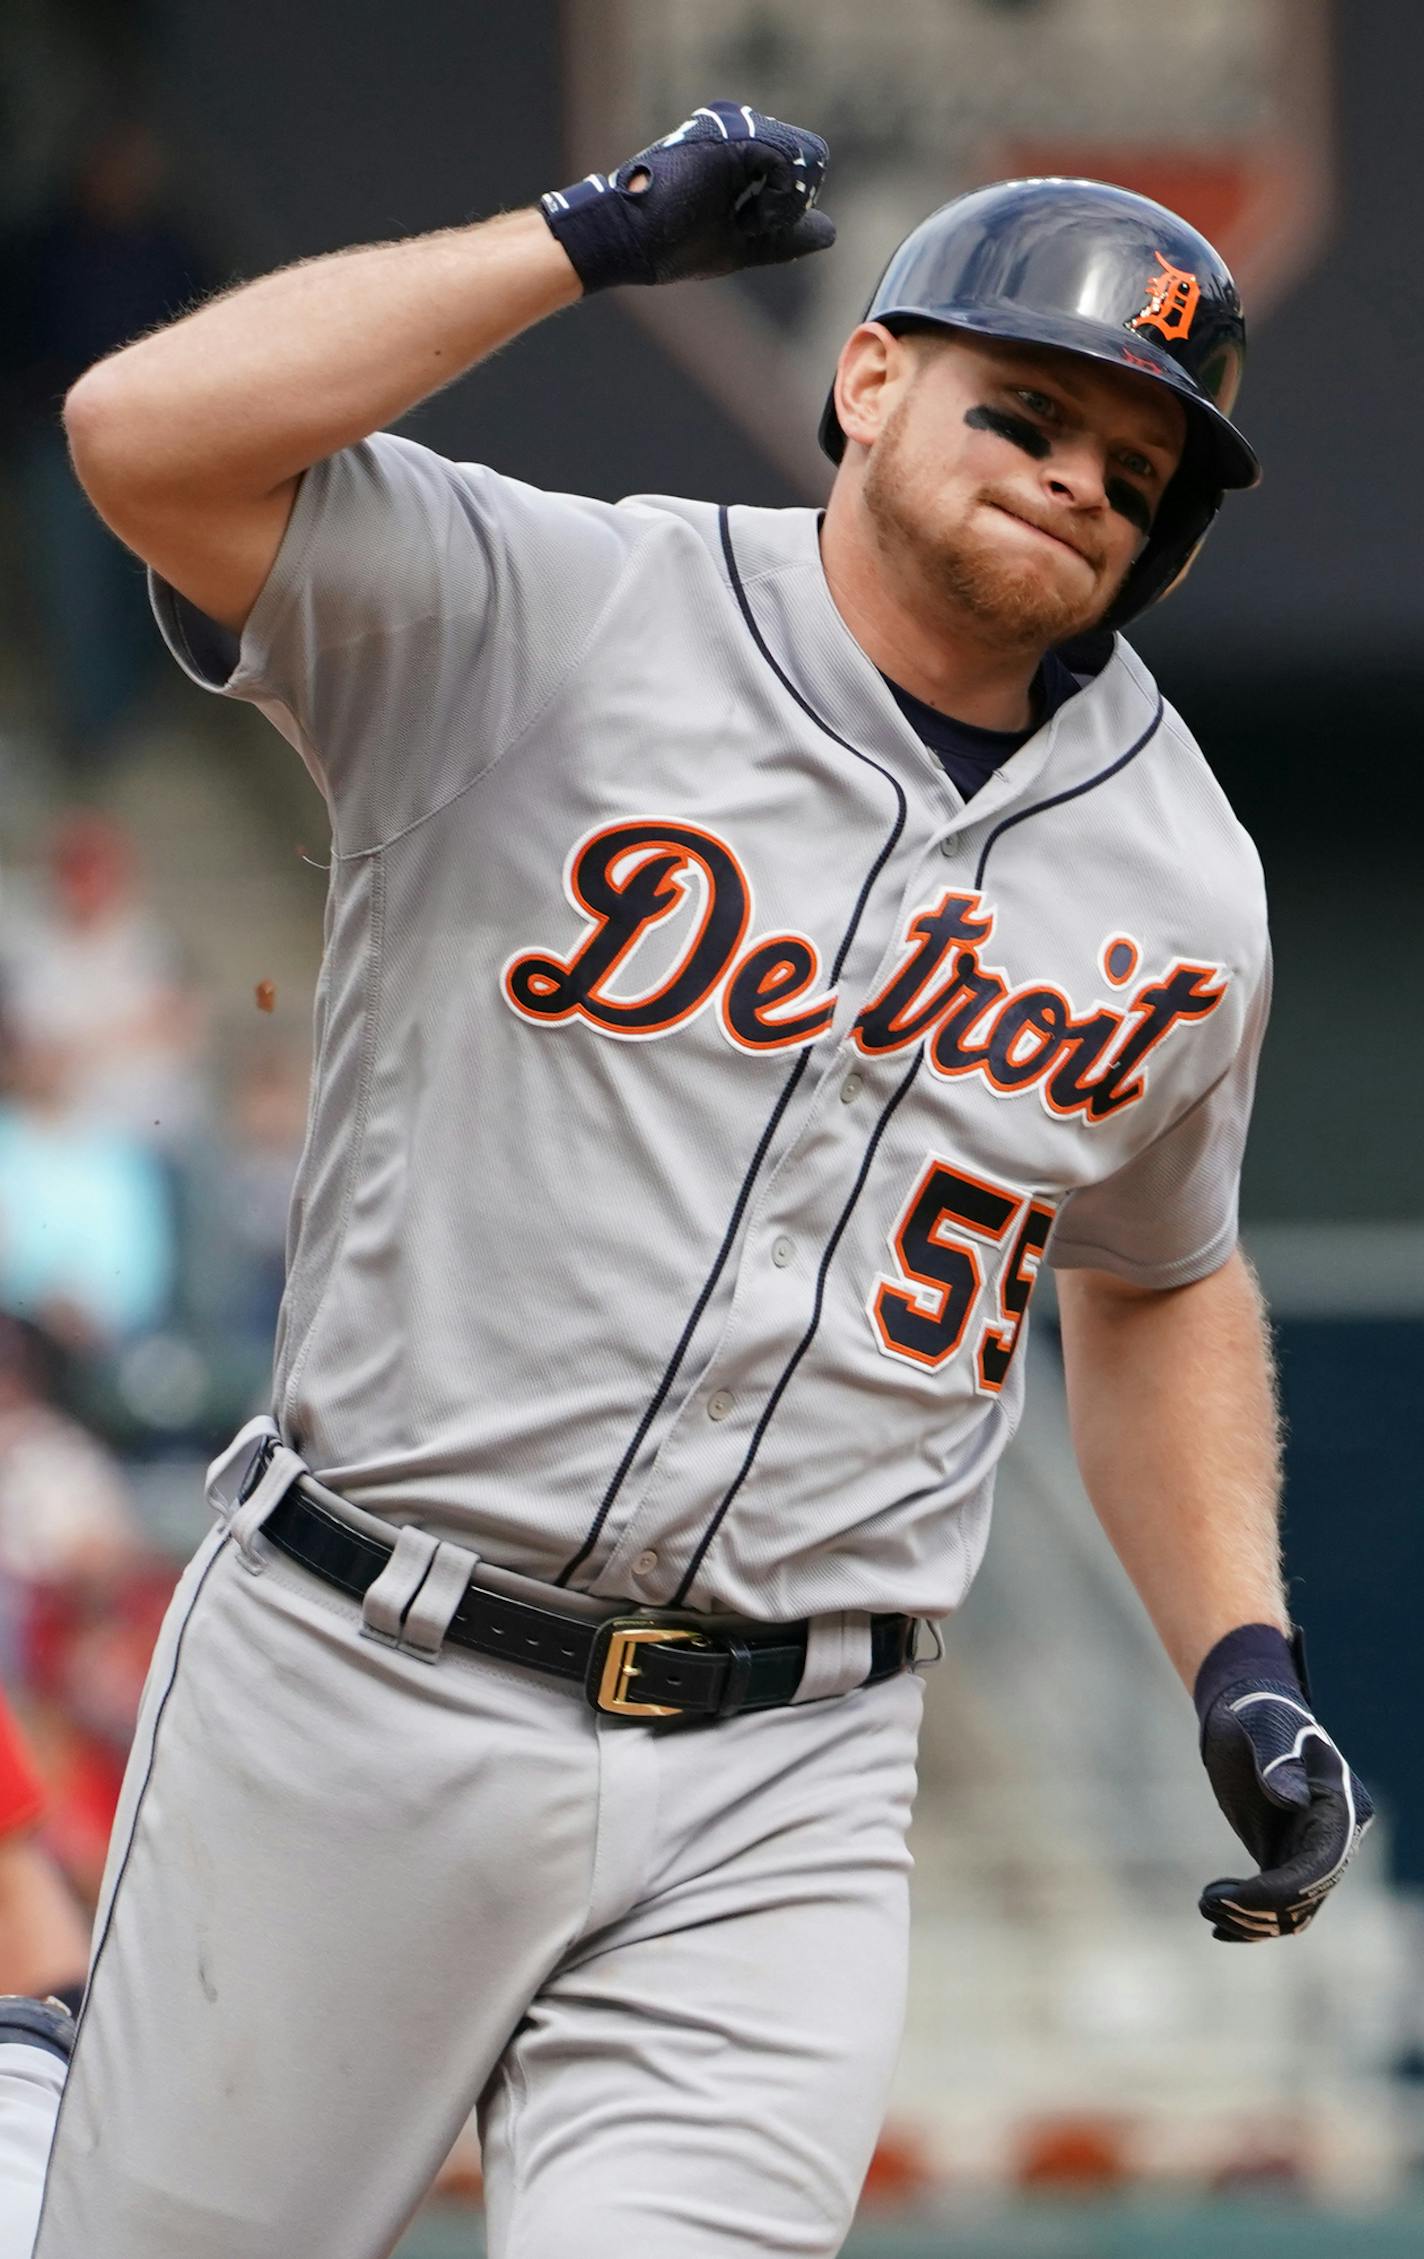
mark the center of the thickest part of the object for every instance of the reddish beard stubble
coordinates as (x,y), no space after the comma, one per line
(1012,602)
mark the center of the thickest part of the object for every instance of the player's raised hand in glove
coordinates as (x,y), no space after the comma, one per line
(730,188)
(1281,1782)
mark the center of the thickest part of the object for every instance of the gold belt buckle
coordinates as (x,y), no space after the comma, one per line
(620,1667)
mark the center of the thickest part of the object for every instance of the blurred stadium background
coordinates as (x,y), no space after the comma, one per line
(1085,2073)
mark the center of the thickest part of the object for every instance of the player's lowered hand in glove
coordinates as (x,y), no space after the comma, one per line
(1281,1782)
(730,188)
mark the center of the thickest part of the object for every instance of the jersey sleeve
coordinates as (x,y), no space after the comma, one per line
(418,616)
(1169,1215)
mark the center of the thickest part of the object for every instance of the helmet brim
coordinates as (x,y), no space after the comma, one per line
(1227,459)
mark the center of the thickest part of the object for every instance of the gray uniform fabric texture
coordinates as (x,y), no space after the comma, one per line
(697,1077)
(352,1891)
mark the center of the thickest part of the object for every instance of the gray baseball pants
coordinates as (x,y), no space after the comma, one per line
(355,1889)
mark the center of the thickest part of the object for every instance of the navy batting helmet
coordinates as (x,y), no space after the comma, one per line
(1099,271)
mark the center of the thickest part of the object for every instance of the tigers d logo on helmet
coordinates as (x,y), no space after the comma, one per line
(1173,296)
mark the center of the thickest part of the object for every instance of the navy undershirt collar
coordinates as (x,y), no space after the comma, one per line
(970,755)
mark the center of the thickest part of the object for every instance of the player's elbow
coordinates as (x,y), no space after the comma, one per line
(94,425)
(115,439)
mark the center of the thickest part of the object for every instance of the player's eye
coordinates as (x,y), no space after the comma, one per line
(1037,403)
(1137,466)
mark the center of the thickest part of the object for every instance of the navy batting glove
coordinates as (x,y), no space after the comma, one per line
(730,188)
(1281,1782)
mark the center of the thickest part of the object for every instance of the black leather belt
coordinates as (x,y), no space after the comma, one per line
(655,1664)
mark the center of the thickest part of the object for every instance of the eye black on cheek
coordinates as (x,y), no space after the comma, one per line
(1129,502)
(1016,429)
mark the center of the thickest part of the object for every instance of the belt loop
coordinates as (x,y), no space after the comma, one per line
(230,1470)
(383,1609)
(245,1525)
(428,1617)
(837,1655)
(915,1660)
(739,1671)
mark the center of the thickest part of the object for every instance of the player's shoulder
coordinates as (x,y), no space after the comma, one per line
(1236,859)
(1210,848)
(526,515)
(398,471)
(760,540)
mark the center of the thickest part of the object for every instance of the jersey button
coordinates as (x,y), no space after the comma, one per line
(781,1253)
(719,1405)
(851,1089)
(950,844)
(646,1562)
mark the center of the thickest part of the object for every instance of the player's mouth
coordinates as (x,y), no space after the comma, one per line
(1059,540)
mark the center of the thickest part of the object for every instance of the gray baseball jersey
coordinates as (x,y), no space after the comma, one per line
(699,1082)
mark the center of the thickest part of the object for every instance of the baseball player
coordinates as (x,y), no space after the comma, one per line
(756,941)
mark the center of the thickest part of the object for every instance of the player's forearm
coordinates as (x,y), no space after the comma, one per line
(254,387)
(1173,1408)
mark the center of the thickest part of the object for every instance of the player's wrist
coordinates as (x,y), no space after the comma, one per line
(1261,1653)
(598,234)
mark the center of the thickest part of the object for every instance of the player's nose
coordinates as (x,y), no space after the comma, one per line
(1077,471)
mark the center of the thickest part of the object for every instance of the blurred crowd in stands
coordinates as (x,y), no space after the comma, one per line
(143,1194)
(143,1184)
(145,1160)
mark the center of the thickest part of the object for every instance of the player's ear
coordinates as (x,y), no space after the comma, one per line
(870,375)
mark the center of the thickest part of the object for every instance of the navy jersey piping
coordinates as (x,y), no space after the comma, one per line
(739,1206)
(739,591)
(1073,792)
(670,1372)
(788,1372)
